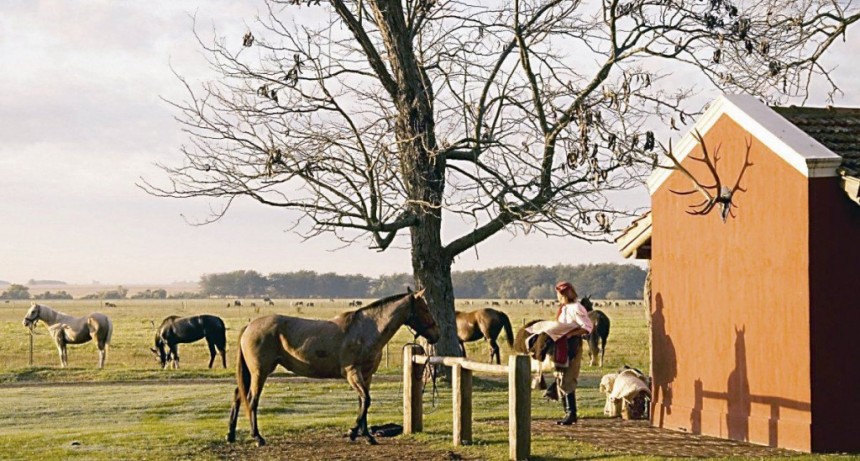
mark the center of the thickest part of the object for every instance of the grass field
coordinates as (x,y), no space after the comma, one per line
(134,410)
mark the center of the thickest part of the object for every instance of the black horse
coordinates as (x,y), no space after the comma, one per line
(175,330)
(599,333)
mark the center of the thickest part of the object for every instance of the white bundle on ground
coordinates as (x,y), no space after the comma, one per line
(622,387)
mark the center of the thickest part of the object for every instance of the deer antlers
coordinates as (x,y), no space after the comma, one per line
(722,194)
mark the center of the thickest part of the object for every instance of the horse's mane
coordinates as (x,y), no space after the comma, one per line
(382,301)
(348,315)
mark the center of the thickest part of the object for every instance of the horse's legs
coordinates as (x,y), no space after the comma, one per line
(102,352)
(211,352)
(463,348)
(494,352)
(174,352)
(357,381)
(592,348)
(602,350)
(64,355)
(223,353)
(234,415)
(254,391)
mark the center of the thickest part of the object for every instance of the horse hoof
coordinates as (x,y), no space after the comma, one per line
(352,435)
(372,440)
(260,441)
(231,438)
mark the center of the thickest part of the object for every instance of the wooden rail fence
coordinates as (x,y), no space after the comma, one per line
(519,396)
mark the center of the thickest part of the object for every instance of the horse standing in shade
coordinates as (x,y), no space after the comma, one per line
(175,330)
(66,329)
(348,346)
(599,334)
(484,323)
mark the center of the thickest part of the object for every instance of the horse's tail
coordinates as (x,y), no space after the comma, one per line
(109,332)
(221,335)
(243,376)
(509,332)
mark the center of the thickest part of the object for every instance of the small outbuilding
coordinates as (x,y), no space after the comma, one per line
(754,242)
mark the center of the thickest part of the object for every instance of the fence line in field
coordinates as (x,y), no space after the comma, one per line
(519,396)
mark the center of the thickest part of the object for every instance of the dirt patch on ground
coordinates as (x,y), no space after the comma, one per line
(638,438)
(329,444)
(613,436)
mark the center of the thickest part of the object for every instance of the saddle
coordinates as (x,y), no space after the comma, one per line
(539,346)
(386,430)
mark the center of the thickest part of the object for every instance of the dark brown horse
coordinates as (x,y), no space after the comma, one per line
(541,349)
(175,330)
(348,346)
(484,323)
(600,332)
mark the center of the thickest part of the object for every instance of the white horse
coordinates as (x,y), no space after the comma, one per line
(66,329)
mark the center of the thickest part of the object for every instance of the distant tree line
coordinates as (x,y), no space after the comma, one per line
(604,281)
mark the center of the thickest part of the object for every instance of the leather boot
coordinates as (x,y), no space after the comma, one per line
(563,405)
(569,402)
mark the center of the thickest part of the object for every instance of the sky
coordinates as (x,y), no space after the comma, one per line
(82,119)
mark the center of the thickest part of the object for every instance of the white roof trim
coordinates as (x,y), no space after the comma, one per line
(797,148)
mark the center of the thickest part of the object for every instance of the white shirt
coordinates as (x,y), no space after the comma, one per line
(575,313)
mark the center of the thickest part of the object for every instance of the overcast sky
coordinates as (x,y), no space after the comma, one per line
(81,120)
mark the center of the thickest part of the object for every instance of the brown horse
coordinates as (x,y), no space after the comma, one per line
(348,346)
(599,333)
(484,323)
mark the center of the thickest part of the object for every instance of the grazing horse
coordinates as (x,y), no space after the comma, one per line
(66,329)
(600,332)
(348,346)
(483,323)
(175,330)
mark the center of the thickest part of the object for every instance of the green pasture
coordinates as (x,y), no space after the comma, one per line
(129,356)
(134,410)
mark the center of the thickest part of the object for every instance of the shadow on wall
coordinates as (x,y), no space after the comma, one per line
(664,367)
(739,400)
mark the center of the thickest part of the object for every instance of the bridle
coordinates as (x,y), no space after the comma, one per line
(417,330)
(31,322)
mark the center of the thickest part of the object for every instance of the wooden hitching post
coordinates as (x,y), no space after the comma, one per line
(519,407)
(461,383)
(413,407)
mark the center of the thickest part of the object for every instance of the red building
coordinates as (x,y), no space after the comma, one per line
(756,320)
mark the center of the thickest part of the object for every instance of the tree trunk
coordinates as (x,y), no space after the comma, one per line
(432,271)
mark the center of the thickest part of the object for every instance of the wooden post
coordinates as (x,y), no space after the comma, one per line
(519,408)
(461,384)
(413,407)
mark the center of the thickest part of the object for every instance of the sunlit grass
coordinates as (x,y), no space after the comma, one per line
(134,410)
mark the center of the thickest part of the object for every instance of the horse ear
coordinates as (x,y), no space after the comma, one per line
(420,293)
(409,289)
(153,350)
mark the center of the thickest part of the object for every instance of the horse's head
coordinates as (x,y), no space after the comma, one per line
(33,315)
(158,351)
(421,320)
(587,303)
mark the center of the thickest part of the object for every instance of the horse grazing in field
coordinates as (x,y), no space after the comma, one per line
(348,346)
(66,329)
(175,330)
(483,323)
(600,332)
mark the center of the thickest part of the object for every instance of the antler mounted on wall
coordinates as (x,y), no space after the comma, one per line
(722,195)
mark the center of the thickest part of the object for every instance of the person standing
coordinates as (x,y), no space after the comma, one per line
(568,362)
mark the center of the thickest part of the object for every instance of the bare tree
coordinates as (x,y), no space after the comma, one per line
(525,116)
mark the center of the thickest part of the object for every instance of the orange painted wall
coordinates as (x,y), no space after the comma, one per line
(730,307)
